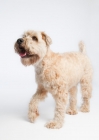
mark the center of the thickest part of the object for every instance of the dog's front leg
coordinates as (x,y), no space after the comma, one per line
(40,94)
(57,122)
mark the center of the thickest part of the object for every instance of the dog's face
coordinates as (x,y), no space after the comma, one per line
(32,47)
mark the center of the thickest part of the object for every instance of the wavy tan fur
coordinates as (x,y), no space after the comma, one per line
(58,74)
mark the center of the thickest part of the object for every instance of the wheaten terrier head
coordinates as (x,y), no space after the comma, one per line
(32,47)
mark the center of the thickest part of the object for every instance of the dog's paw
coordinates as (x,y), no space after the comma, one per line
(53,124)
(33,115)
(84,108)
(71,112)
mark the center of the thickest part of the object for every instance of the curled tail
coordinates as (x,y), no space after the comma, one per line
(82,47)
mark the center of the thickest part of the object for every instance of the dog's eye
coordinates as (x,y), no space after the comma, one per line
(34,38)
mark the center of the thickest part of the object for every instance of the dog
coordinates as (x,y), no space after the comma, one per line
(57,73)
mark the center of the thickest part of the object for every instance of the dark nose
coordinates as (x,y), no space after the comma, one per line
(19,41)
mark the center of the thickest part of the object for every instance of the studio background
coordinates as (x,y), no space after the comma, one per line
(66,22)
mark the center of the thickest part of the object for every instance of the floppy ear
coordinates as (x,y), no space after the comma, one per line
(47,39)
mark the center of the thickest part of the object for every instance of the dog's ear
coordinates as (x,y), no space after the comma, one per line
(47,39)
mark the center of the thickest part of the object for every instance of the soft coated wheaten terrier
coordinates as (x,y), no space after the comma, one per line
(56,73)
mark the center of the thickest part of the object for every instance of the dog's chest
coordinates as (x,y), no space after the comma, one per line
(43,75)
(49,77)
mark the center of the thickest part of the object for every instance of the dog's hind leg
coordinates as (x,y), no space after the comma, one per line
(40,94)
(86,90)
(72,109)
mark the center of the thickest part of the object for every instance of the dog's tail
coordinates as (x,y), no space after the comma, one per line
(82,47)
